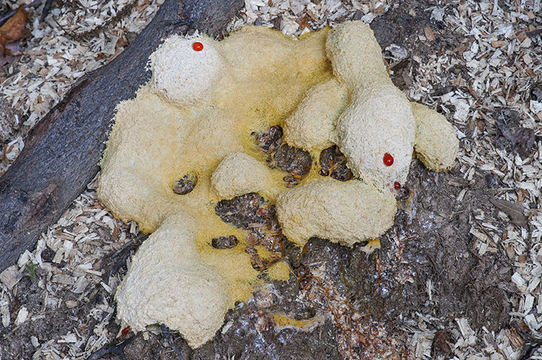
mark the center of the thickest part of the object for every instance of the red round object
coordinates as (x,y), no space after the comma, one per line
(126,330)
(388,159)
(396,185)
(197,46)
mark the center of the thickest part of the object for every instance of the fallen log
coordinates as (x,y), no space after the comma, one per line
(62,151)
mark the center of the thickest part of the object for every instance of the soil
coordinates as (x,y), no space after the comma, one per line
(293,160)
(426,263)
(333,163)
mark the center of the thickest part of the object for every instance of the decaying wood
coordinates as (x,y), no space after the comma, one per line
(62,151)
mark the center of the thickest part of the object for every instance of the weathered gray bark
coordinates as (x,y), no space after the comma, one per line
(62,152)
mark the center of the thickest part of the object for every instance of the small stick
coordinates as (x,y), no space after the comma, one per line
(379,269)
(113,350)
(46,9)
(166,333)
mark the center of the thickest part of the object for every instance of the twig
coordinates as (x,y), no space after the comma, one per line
(166,334)
(46,9)
(113,350)
(124,252)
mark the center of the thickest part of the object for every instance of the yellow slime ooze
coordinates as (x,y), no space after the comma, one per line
(204,101)
(279,271)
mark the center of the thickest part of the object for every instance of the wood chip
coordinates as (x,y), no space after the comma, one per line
(429,34)
(10,277)
(498,43)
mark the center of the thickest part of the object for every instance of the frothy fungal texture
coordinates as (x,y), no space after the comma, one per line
(192,139)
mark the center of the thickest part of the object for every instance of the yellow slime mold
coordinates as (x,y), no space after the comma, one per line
(197,113)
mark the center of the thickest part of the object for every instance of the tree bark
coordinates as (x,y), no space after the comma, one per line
(62,151)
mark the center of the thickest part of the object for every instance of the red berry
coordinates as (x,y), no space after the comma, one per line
(396,185)
(388,159)
(197,46)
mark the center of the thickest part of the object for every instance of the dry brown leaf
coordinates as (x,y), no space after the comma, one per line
(13,29)
(514,212)
(303,22)
(12,49)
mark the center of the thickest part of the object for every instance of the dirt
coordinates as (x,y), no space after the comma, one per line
(441,249)
(512,136)
(333,164)
(293,160)
(270,140)
(16,340)
(297,162)
(253,213)
(242,211)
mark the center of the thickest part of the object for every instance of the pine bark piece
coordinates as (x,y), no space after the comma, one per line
(62,151)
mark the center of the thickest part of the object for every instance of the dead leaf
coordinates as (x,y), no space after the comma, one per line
(13,49)
(524,141)
(381,10)
(303,22)
(13,29)
(514,212)
(441,343)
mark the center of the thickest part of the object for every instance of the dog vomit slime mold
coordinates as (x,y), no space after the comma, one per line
(194,121)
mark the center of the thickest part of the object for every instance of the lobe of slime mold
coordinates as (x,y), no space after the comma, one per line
(175,64)
(379,118)
(344,212)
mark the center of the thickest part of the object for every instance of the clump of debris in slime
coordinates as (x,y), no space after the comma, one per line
(311,133)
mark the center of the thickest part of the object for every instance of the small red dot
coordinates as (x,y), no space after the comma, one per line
(396,185)
(197,46)
(388,159)
(126,330)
